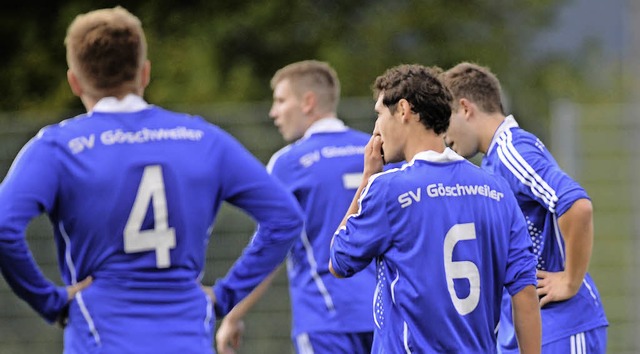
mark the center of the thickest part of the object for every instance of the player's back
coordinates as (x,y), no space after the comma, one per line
(137,195)
(453,223)
(544,193)
(129,183)
(323,171)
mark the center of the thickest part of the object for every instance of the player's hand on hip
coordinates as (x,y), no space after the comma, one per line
(209,291)
(554,286)
(229,335)
(72,290)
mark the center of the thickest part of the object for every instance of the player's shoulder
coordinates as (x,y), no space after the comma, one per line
(343,136)
(351,137)
(208,130)
(486,176)
(279,157)
(299,154)
(182,118)
(392,176)
(519,139)
(358,133)
(311,148)
(283,151)
(54,131)
(465,172)
(516,147)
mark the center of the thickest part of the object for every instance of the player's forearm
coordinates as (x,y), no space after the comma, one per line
(242,308)
(576,226)
(258,260)
(526,320)
(28,282)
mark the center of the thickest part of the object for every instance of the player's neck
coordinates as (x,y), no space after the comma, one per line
(491,123)
(320,116)
(425,141)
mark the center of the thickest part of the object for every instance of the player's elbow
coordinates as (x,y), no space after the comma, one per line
(583,207)
(580,214)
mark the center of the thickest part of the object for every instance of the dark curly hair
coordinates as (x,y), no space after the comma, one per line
(420,86)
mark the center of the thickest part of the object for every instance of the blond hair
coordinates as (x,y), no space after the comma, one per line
(106,49)
(312,75)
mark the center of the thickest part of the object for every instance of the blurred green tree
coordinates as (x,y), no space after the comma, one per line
(226,51)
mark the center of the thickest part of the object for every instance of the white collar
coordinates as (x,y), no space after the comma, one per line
(447,155)
(130,103)
(326,125)
(508,123)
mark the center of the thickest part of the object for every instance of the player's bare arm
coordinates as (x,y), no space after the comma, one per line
(576,226)
(229,334)
(209,291)
(527,321)
(72,290)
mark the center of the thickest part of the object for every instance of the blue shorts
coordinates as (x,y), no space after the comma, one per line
(333,343)
(113,319)
(590,342)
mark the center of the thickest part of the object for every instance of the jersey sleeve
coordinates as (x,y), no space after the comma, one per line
(521,262)
(530,170)
(249,187)
(28,190)
(366,234)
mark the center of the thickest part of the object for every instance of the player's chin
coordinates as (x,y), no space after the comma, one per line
(451,145)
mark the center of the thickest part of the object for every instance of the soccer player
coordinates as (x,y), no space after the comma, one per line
(132,191)
(322,166)
(446,236)
(557,209)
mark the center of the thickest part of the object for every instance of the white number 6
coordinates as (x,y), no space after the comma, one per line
(461,269)
(161,238)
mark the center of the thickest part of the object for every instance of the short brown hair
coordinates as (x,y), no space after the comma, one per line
(313,75)
(420,86)
(106,49)
(475,83)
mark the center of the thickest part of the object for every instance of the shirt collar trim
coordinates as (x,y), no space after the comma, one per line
(130,103)
(326,125)
(508,123)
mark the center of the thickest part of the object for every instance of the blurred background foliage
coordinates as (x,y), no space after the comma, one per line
(226,51)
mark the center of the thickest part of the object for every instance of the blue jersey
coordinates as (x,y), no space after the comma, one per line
(323,170)
(544,192)
(447,238)
(132,191)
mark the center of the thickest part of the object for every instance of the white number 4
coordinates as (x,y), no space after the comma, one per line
(461,269)
(161,238)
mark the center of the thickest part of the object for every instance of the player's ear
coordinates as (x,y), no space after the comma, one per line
(404,108)
(309,101)
(467,107)
(74,83)
(145,74)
